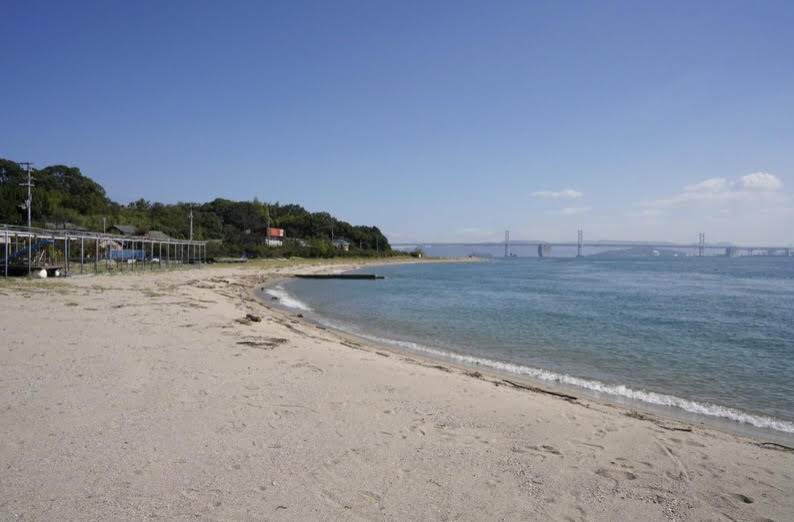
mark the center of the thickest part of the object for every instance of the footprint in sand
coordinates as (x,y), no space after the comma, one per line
(616,475)
(743,498)
(334,500)
(369,495)
(308,366)
(588,445)
(545,449)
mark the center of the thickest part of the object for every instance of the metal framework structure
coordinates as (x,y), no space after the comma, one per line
(545,247)
(25,249)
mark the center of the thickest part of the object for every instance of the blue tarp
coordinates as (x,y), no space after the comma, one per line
(35,246)
(127,253)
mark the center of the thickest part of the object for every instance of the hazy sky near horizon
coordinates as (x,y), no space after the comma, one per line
(440,121)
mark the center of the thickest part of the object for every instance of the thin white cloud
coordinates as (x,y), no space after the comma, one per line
(760,181)
(709,185)
(562,194)
(569,211)
(755,187)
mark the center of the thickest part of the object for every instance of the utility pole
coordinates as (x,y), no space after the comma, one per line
(28,201)
(191,224)
(267,230)
(104,224)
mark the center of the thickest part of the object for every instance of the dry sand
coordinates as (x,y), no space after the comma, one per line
(145,396)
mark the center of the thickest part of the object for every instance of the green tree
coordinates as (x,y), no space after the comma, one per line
(63,194)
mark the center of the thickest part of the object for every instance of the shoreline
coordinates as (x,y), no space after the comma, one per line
(153,395)
(658,413)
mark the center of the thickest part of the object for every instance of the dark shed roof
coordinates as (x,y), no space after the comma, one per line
(157,234)
(125,230)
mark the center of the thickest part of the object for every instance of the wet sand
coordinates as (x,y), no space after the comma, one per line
(142,396)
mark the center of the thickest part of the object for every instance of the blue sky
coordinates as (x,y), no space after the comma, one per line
(433,120)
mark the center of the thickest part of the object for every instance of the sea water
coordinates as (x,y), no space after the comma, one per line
(704,337)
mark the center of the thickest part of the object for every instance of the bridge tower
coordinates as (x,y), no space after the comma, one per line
(507,243)
(579,241)
(701,243)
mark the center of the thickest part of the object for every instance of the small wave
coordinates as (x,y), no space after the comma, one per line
(658,399)
(286,299)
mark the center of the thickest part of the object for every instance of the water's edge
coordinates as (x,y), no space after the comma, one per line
(691,412)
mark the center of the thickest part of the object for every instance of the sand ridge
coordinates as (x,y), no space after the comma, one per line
(152,396)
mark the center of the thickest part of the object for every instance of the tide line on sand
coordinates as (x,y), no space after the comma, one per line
(615,390)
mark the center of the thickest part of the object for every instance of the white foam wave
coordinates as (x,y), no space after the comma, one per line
(286,299)
(619,390)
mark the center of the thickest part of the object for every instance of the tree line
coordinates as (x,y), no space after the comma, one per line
(63,196)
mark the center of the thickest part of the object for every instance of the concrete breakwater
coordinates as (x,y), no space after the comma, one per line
(338,276)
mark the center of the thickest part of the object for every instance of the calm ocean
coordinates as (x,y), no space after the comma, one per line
(701,338)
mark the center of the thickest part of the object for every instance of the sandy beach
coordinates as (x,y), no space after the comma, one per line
(143,396)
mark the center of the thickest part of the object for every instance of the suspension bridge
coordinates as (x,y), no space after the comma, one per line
(544,248)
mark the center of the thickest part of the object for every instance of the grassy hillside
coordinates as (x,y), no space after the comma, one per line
(64,195)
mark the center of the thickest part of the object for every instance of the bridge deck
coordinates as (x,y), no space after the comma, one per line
(593,245)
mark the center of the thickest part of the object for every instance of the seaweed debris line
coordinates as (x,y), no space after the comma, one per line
(339,276)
